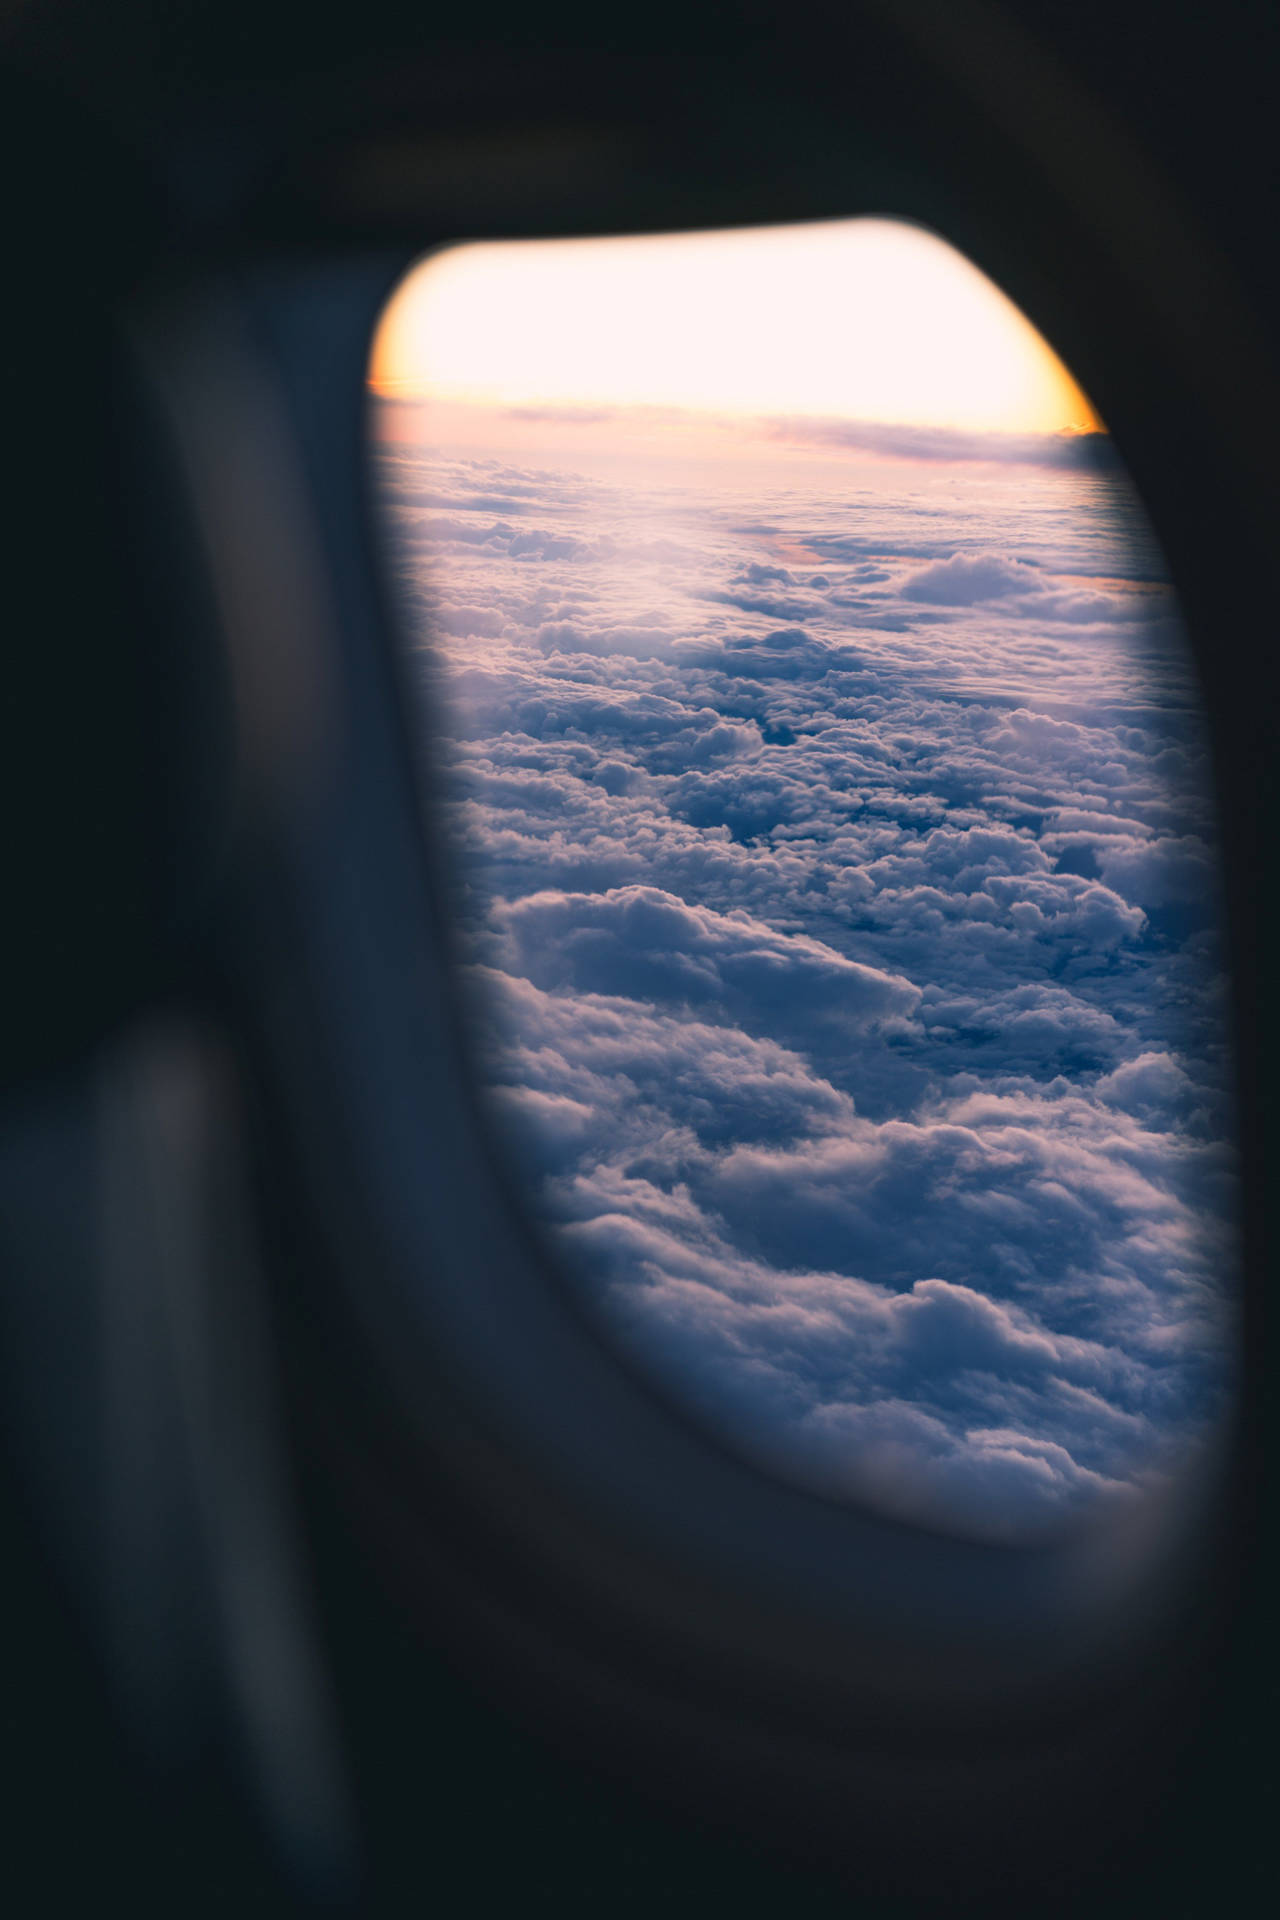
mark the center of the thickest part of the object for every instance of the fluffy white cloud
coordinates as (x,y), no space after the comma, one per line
(840,895)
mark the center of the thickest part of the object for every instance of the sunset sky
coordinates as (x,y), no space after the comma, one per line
(866,320)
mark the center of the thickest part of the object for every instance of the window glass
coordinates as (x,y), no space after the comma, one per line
(834,851)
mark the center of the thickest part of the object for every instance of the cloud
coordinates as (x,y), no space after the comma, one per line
(838,886)
(465,621)
(1169,869)
(977,579)
(1087,452)
(577,416)
(654,947)
(966,579)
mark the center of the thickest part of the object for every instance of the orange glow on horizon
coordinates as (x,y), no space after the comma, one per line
(868,320)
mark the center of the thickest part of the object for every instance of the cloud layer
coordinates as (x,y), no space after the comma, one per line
(837,872)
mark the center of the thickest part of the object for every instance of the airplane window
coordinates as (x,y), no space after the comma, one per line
(833,851)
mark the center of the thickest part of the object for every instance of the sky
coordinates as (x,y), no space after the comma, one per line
(774,321)
(834,853)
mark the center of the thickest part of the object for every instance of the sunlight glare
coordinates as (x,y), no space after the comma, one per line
(869,320)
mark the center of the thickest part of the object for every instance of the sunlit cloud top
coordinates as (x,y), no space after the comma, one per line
(867,320)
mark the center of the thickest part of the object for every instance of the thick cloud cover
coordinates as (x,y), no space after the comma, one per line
(838,875)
